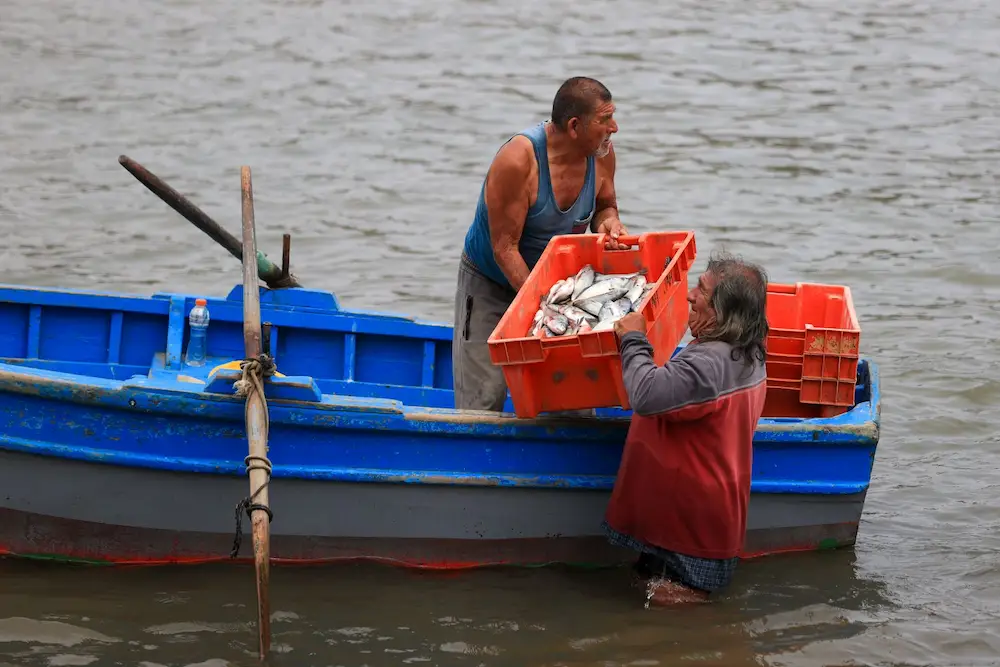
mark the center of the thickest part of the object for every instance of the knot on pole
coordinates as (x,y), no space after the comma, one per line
(247,504)
(254,373)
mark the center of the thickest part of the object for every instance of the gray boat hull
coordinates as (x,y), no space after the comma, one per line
(63,508)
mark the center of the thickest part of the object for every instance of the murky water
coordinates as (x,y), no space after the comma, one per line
(850,142)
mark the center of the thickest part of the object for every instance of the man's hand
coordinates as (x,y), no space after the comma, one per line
(614,228)
(631,322)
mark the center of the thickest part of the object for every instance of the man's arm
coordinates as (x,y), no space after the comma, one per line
(606,207)
(606,220)
(686,386)
(507,201)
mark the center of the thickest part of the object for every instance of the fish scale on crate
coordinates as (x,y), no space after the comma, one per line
(589,301)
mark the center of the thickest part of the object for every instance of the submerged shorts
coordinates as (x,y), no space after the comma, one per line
(704,574)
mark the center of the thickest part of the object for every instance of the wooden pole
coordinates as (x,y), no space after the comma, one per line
(256,418)
(266,269)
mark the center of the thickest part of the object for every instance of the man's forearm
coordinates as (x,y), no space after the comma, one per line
(602,218)
(513,266)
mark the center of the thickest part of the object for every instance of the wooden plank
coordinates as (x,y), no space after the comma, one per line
(256,420)
(115,337)
(427,368)
(350,356)
(34,333)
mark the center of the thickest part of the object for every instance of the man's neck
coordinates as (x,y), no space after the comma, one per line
(560,147)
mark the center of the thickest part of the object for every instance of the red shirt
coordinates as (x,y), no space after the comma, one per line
(684,479)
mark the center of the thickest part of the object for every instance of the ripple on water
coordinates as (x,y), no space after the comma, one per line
(848,142)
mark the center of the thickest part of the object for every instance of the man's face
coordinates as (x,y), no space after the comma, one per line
(701,316)
(593,133)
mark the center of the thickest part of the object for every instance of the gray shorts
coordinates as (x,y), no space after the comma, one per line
(479,305)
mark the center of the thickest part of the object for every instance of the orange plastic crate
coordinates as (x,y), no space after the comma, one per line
(584,371)
(812,348)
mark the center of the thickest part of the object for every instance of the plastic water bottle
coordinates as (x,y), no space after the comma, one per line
(198,320)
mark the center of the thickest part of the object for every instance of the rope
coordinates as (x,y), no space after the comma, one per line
(254,372)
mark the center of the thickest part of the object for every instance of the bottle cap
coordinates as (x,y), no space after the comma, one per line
(201,302)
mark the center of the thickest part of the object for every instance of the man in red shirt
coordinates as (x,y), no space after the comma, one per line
(683,486)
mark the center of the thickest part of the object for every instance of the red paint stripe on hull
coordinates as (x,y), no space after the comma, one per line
(36,536)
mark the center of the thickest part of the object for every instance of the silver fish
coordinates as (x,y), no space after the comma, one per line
(556,324)
(588,301)
(606,290)
(575,315)
(611,310)
(572,315)
(601,277)
(636,292)
(561,291)
(552,291)
(536,324)
(590,306)
(584,279)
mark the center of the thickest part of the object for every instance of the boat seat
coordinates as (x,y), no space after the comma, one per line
(278,386)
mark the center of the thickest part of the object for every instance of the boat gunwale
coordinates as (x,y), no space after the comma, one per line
(860,423)
(169,394)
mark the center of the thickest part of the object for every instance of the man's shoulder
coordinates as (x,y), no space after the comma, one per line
(705,348)
(515,158)
(519,144)
(729,370)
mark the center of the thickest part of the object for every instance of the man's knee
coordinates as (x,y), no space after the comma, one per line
(479,306)
(479,385)
(482,395)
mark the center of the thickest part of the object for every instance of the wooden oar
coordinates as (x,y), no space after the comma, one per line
(276,277)
(258,466)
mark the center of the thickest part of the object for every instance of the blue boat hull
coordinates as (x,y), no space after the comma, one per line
(111,449)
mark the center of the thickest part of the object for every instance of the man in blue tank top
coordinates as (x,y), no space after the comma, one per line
(557,177)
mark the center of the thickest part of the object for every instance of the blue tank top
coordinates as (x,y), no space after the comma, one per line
(543,221)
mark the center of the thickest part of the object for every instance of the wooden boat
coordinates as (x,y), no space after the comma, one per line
(113,450)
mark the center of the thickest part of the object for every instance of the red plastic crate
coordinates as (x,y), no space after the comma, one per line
(812,349)
(584,371)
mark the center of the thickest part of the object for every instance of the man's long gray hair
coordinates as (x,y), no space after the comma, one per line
(740,303)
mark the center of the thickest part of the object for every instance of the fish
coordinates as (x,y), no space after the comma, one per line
(635,293)
(561,291)
(590,306)
(536,324)
(552,291)
(606,290)
(626,305)
(614,276)
(575,315)
(556,324)
(583,279)
(588,302)
(611,310)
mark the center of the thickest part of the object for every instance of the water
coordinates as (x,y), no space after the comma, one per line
(850,142)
